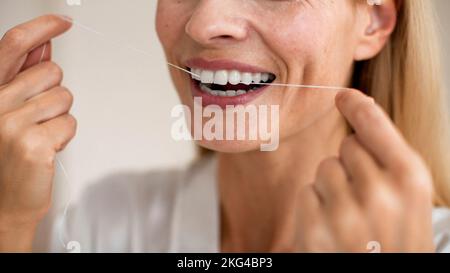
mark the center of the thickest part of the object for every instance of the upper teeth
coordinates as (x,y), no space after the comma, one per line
(234,77)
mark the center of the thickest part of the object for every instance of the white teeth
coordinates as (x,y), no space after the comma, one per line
(233,77)
(196,73)
(221,77)
(204,88)
(229,93)
(246,78)
(265,77)
(224,77)
(256,78)
(207,76)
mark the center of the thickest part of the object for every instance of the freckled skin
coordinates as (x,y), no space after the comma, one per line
(302,42)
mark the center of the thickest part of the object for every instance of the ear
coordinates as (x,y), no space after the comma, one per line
(380,19)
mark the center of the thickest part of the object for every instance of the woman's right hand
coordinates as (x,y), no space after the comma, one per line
(35,125)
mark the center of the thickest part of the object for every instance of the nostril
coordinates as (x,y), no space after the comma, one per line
(225,37)
(222,39)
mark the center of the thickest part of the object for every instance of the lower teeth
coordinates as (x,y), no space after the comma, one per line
(220,93)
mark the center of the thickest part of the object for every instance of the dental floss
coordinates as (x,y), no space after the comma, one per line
(275,84)
(142,52)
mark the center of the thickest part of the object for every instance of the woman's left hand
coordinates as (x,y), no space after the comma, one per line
(375,197)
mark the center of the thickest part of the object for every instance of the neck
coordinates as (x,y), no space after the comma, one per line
(258,189)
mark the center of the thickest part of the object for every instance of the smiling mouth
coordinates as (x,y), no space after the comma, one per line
(230,83)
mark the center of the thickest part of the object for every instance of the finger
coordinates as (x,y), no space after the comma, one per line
(41,54)
(46,106)
(349,228)
(340,204)
(28,84)
(21,40)
(309,207)
(312,233)
(309,199)
(373,128)
(61,130)
(332,184)
(358,163)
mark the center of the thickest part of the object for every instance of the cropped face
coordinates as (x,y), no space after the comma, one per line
(235,48)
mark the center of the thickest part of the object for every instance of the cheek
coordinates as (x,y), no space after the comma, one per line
(311,45)
(312,50)
(169,30)
(164,28)
(299,39)
(170,33)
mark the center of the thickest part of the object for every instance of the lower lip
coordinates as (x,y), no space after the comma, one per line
(223,102)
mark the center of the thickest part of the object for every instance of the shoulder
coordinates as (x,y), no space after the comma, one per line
(441,226)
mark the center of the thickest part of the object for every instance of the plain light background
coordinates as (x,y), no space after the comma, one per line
(123,99)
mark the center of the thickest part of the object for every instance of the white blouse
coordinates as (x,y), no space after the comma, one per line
(170,211)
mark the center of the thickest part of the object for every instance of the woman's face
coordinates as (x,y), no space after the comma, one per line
(308,42)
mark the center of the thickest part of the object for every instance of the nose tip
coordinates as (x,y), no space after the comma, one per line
(211,26)
(215,33)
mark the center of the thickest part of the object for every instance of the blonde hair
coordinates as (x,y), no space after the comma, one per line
(406,80)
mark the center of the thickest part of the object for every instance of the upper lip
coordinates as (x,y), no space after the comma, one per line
(223,64)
